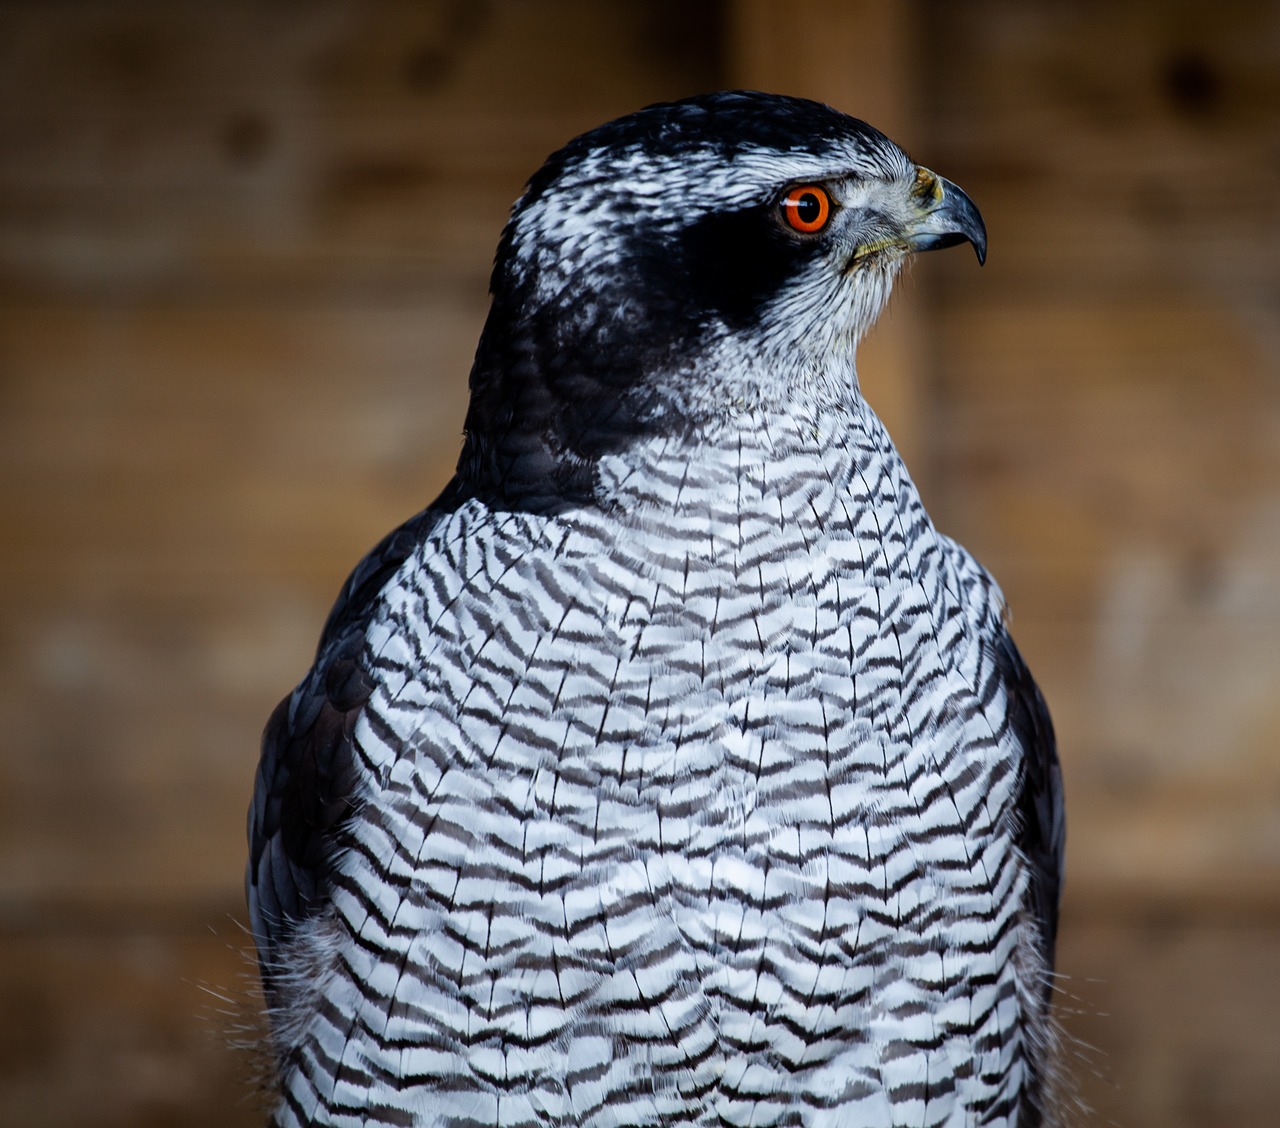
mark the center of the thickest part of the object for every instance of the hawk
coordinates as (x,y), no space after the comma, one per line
(671,766)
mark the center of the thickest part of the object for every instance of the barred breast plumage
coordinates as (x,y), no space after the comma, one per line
(672,767)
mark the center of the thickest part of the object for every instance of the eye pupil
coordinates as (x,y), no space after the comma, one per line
(807,208)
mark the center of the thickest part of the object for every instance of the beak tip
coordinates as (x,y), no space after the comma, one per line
(953,219)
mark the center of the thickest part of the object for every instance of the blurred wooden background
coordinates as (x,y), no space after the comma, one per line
(243,257)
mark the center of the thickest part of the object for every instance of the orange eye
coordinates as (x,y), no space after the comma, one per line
(806,208)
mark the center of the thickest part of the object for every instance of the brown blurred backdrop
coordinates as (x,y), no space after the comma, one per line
(243,257)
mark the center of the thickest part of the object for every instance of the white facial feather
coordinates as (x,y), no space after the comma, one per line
(805,343)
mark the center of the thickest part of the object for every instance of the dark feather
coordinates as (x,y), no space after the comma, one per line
(1042,834)
(306,786)
(1043,831)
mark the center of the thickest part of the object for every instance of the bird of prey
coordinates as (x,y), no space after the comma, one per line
(671,767)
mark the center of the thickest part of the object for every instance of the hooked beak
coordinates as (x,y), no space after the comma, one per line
(944,217)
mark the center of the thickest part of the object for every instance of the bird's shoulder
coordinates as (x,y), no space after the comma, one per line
(1041,812)
(308,780)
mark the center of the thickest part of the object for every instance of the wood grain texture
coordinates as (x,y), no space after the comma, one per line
(1110,443)
(121,1018)
(244,252)
(1106,442)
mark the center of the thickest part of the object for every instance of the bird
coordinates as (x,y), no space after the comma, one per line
(671,766)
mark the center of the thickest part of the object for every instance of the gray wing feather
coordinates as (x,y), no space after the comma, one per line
(1043,831)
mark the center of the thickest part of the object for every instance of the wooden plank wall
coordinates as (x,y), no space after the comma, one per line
(1107,439)
(243,253)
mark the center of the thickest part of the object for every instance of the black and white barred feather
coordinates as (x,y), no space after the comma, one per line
(671,767)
